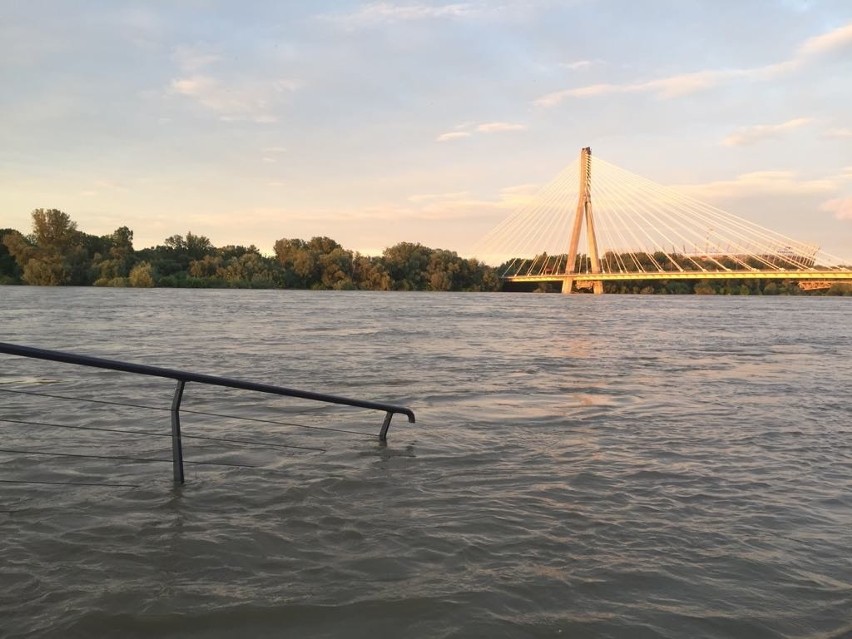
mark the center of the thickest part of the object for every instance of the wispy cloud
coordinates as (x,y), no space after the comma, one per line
(671,87)
(469,128)
(437,197)
(377,13)
(519,195)
(840,207)
(272,153)
(761,183)
(687,83)
(101,187)
(452,135)
(752,134)
(256,101)
(838,134)
(835,40)
(191,59)
(500,127)
(578,64)
(246,98)
(455,205)
(460,205)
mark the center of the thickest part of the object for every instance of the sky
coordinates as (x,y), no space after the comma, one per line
(380,122)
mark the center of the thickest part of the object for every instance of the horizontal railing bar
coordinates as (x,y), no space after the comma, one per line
(186,376)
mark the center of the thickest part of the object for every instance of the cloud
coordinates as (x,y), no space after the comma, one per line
(692,82)
(499,127)
(673,86)
(838,134)
(841,207)
(191,59)
(753,134)
(457,205)
(388,12)
(835,40)
(519,195)
(435,197)
(760,183)
(452,135)
(102,187)
(251,100)
(578,64)
(468,128)
(256,100)
(686,83)
(508,198)
(194,86)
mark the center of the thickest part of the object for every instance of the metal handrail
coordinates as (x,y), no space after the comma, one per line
(182,377)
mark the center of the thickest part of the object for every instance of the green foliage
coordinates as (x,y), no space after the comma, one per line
(54,252)
(10,271)
(57,253)
(141,276)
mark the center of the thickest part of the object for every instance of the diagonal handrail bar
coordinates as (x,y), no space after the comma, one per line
(182,377)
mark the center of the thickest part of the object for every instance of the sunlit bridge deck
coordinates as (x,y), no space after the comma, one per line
(689,275)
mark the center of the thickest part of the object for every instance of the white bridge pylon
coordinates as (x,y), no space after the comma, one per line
(596,222)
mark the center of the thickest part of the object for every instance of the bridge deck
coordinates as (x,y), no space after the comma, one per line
(687,275)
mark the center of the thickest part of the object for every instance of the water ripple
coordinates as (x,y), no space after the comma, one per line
(581,467)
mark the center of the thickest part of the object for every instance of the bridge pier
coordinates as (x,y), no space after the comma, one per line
(568,286)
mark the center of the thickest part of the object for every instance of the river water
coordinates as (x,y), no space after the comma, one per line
(612,466)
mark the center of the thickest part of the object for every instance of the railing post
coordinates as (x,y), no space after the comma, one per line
(177,448)
(383,434)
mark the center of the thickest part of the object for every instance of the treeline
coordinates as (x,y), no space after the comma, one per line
(56,253)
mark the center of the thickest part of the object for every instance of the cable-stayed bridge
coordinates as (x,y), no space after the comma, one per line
(631,228)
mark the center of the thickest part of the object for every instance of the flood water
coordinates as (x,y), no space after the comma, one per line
(612,466)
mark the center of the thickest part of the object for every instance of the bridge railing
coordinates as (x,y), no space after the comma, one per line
(183,377)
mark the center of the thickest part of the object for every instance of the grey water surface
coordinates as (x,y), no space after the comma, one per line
(612,466)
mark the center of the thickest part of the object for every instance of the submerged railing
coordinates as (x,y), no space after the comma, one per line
(182,377)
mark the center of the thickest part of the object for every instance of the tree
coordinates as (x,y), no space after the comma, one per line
(337,269)
(54,254)
(406,264)
(53,230)
(704,287)
(369,273)
(142,276)
(287,252)
(10,271)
